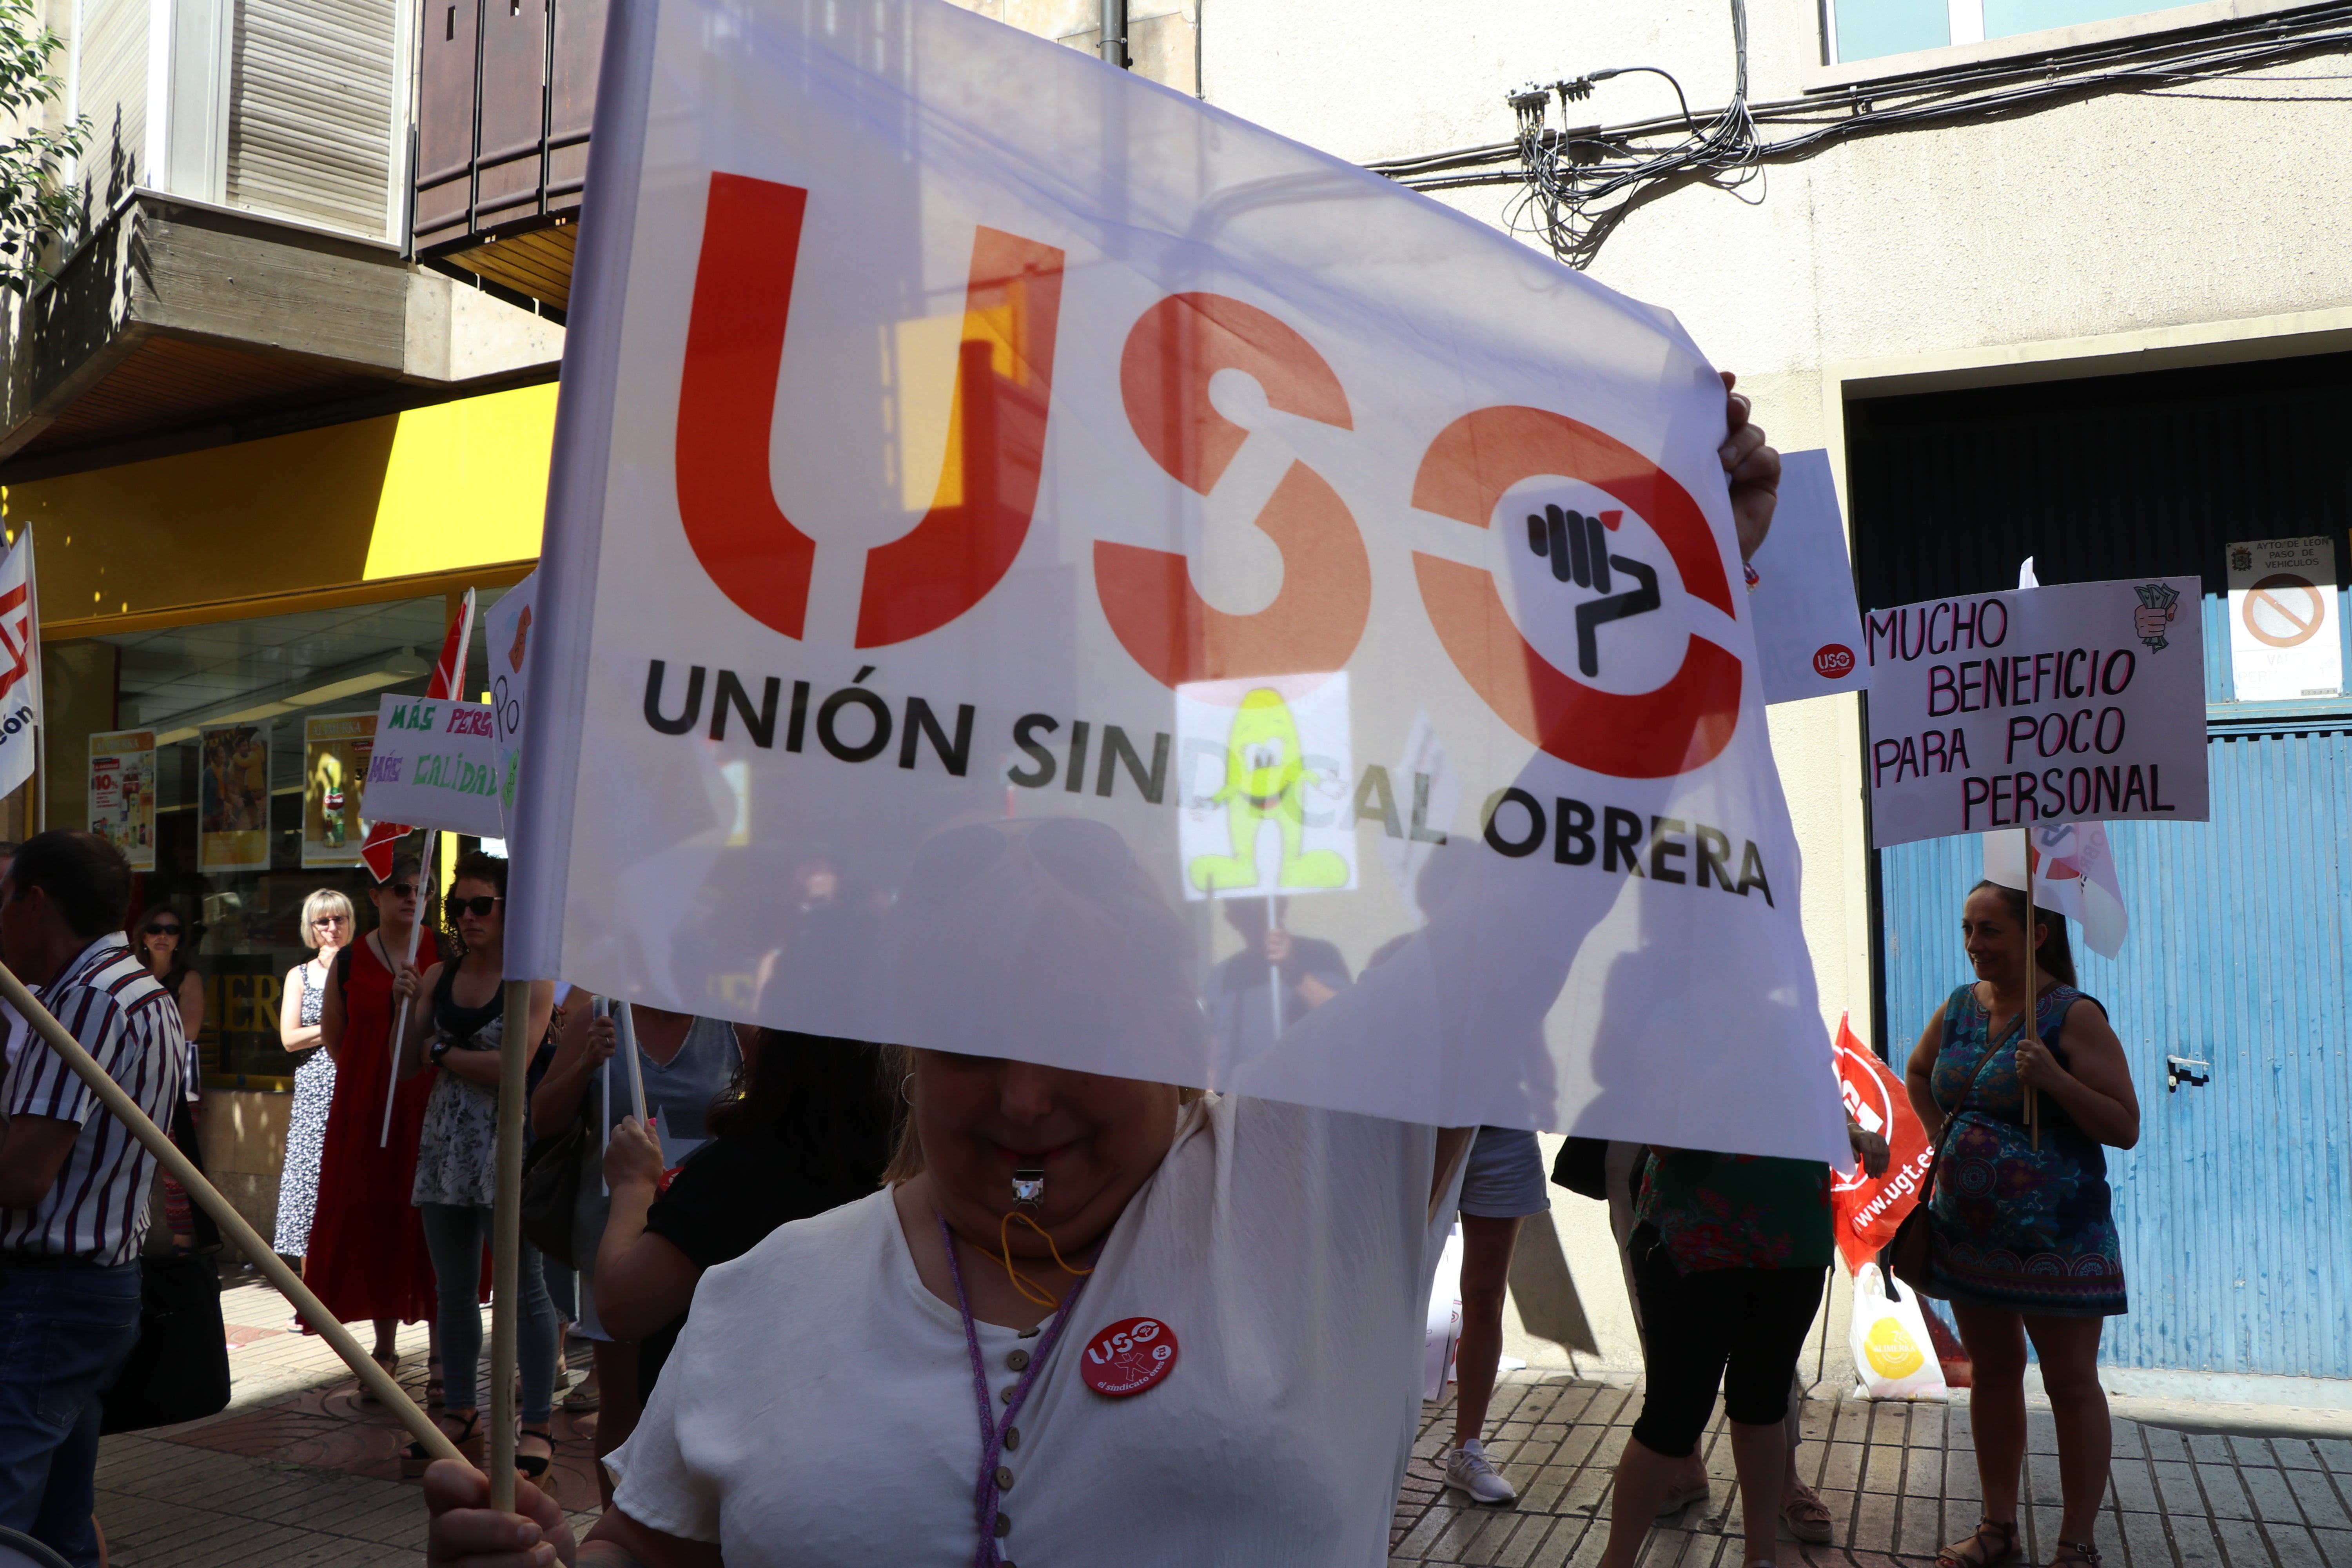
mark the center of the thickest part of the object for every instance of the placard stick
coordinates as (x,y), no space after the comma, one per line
(181,1169)
(2033,985)
(628,1026)
(400,1017)
(506,1241)
(1273,970)
(598,1009)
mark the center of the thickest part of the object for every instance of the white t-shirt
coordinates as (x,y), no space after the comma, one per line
(819,1407)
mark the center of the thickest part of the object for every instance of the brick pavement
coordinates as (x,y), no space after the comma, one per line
(297,1472)
(1900,1480)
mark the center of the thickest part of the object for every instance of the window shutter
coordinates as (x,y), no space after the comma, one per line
(111,63)
(310,121)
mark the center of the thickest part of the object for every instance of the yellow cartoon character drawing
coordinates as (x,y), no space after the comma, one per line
(1266,782)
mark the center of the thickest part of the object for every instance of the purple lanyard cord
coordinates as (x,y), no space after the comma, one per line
(992,1430)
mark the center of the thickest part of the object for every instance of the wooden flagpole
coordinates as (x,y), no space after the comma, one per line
(506,1241)
(183,1170)
(400,1017)
(2033,985)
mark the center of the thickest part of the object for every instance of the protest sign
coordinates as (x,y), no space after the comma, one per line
(382,848)
(436,764)
(1865,1210)
(122,794)
(2284,641)
(20,666)
(506,626)
(797,597)
(1800,585)
(2080,702)
(336,748)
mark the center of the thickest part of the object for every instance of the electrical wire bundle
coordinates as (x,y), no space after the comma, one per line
(1581,184)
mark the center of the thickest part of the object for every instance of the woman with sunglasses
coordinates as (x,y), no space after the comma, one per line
(162,943)
(367,1256)
(326,927)
(456,1022)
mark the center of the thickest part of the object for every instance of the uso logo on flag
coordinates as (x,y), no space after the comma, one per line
(1128,1357)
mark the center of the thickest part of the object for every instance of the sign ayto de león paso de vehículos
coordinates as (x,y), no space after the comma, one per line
(2080,702)
(436,764)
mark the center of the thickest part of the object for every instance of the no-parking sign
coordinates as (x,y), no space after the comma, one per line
(2283,642)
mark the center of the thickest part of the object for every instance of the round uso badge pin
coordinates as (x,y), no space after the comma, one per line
(1128,1357)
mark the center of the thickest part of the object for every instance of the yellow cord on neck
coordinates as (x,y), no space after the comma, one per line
(1022,1282)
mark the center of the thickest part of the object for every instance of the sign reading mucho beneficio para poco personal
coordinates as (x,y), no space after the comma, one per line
(436,764)
(2084,703)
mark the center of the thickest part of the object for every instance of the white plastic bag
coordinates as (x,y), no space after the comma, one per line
(1893,1355)
(1444,1318)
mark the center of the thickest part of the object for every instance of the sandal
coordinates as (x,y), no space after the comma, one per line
(582,1401)
(390,1362)
(1992,1544)
(1807,1517)
(2075,1554)
(1676,1502)
(413,1458)
(534,1466)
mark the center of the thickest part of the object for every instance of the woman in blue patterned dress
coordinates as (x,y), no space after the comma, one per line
(2022,1239)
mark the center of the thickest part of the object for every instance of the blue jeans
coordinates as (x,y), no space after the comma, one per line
(63,1335)
(455,1236)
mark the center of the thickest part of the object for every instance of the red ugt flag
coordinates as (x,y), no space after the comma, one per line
(1866,1210)
(384,837)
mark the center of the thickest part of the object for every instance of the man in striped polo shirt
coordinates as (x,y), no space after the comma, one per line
(73,1182)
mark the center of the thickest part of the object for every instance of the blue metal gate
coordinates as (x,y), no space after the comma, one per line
(2233,1209)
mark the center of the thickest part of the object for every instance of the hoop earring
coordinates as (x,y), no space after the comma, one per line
(902,1089)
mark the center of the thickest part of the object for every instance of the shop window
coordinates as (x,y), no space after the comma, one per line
(1870,30)
(226,759)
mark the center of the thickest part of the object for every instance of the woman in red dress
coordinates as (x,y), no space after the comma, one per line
(367,1256)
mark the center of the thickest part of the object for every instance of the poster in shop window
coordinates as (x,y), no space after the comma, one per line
(122,794)
(233,797)
(335,751)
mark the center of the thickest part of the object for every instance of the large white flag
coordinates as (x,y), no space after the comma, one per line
(957,429)
(2074,873)
(20,663)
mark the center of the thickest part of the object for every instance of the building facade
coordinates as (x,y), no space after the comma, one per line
(2059,278)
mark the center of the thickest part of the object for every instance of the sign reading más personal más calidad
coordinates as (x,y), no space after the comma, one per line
(2084,703)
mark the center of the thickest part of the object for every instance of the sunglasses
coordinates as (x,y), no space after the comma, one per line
(162,931)
(480,907)
(331,920)
(401,889)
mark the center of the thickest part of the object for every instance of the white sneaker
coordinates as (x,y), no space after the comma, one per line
(1467,1470)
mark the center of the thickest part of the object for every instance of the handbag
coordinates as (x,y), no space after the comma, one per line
(179,1369)
(550,1189)
(1905,1258)
(552,1170)
(1583,1167)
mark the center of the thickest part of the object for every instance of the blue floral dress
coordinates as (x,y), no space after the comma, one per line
(2014,1227)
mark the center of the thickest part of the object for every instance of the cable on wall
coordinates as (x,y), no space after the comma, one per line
(1581,182)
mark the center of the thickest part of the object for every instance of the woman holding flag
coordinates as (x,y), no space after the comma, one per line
(367,1256)
(2021,1237)
(1245,1281)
